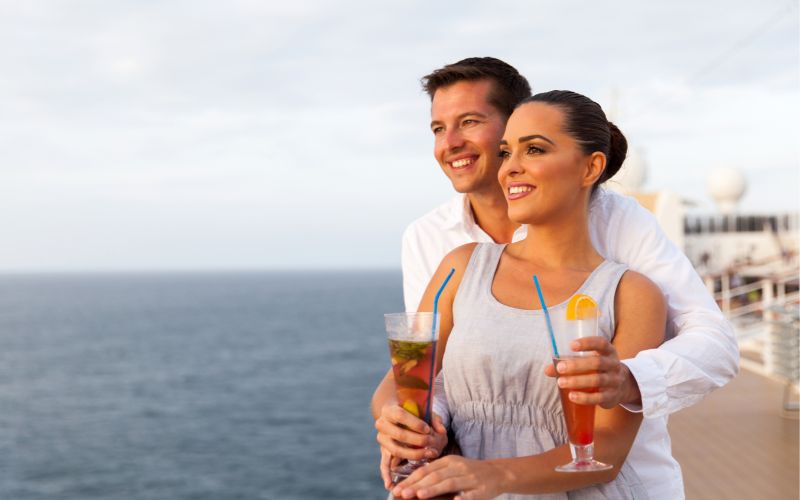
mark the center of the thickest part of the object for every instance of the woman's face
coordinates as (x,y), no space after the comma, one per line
(544,173)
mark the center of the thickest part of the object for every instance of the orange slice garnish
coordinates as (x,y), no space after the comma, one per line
(581,306)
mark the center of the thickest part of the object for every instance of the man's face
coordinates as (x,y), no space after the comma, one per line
(467,131)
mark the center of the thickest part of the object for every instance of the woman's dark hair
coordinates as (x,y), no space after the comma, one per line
(585,121)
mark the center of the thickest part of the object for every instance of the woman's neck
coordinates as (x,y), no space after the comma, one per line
(562,243)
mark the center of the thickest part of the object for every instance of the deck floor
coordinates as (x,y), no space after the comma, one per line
(736,444)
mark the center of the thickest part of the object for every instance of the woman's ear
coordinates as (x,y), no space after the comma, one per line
(594,168)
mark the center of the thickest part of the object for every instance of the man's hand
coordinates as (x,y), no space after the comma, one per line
(404,436)
(613,379)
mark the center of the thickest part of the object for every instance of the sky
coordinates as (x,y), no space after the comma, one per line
(191,135)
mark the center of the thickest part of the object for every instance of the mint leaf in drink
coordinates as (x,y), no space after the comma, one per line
(406,350)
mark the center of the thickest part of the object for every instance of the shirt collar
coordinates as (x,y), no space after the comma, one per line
(459,213)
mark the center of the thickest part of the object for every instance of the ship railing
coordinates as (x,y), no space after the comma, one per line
(768,329)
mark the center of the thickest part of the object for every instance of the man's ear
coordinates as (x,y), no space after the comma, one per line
(595,167)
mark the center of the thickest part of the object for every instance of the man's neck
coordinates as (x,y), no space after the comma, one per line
(490,211)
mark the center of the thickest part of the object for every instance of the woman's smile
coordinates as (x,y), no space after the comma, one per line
(517,190)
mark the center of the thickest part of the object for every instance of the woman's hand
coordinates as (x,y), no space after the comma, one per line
(469,479)
(404,436)
(613,379)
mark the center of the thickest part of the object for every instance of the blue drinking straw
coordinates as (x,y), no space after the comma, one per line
(433,337)
(546,315)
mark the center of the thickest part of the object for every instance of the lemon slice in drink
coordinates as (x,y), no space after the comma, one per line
(411,407)
(581,307)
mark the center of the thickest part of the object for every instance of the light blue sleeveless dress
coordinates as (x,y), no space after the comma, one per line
(501,403)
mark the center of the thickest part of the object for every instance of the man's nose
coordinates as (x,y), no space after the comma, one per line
(453,139)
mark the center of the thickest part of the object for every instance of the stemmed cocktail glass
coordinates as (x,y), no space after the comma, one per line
(580,320)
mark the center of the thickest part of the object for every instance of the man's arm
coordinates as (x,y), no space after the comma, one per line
(703,355)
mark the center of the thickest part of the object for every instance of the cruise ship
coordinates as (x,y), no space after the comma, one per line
(741,441)
(749,261)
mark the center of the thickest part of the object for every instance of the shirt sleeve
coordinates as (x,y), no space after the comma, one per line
(415,277)
(701,354)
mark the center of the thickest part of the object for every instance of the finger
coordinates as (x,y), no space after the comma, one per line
(588,381)
(596,343)
(399,416)
(586,398)
(405,436)
(401,451)
(452,484)
(438,426)
(550,370)
(578,366)
(608,398)
(386,474)
(420,474)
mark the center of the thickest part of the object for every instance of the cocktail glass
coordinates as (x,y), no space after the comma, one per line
(581,320)
(412,347)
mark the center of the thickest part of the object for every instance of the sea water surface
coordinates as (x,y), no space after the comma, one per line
(192,385)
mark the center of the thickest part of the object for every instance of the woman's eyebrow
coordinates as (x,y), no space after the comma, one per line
(534,136)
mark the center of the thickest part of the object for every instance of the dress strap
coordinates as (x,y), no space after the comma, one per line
(478,274)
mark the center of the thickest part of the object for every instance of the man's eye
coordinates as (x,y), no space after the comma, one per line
(469,122)
(533,150)
(437,130)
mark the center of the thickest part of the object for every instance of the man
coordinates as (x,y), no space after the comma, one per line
(470,103)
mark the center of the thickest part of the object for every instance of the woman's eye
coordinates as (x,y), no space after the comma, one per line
(532,150)
(504,154)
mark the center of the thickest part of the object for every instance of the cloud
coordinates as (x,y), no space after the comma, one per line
(254,134)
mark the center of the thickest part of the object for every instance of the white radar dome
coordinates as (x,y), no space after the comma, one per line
(726,186)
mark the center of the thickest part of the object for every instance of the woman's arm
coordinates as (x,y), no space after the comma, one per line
(640,320)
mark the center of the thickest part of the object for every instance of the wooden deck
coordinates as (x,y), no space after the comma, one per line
(738,444)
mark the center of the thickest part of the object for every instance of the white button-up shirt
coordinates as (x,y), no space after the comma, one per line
(700,355)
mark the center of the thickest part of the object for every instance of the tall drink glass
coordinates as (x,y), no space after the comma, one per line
(412,348)
(581,320)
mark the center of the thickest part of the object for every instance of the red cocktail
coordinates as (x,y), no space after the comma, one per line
(580,419)
(580,321)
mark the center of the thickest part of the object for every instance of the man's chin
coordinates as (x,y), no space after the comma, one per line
(460,186)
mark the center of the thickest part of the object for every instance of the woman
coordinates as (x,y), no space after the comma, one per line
(557,148)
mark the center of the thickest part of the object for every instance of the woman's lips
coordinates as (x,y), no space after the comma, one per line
(517,191)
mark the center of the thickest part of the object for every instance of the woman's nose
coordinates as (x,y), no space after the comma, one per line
(510,167)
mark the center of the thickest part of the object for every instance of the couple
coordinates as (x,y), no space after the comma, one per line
(528,168)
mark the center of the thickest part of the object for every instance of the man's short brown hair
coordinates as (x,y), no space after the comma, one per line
(509,87)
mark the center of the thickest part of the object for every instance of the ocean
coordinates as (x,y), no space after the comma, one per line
(192,385)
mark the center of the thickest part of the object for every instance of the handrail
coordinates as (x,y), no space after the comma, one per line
(759,306)
(743,289)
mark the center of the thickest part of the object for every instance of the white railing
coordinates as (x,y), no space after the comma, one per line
(766,319)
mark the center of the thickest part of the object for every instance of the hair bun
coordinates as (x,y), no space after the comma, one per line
(618,150)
